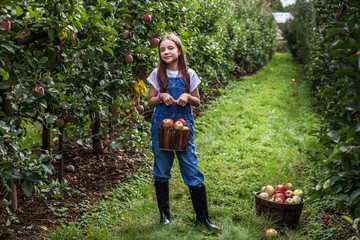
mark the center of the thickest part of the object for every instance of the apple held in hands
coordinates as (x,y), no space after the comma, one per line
(167,123)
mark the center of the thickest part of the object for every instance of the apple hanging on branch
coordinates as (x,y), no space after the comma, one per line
(7,25)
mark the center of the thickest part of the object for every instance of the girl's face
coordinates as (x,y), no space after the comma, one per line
(169,53)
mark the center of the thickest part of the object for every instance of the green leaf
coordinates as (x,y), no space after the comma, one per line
(27,187)
(43,60)
(4,74)
(59,7)
(354,87)
(8,47)
(355,194)
(333,32)
(31,12)
(19,10)
(109,50)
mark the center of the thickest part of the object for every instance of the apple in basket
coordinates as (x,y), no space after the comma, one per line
(182,121)
(178,125)
(269,189)
(280,195)
(264,195)
(280,188)
(167,123)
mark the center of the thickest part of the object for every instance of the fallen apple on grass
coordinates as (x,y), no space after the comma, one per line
(70,168)
(271,232)
(3,203)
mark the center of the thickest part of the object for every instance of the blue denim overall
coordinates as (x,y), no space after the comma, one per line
(188,161)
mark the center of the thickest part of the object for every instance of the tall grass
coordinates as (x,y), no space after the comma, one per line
(255,134)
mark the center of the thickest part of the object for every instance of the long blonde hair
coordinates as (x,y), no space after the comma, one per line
(162,77)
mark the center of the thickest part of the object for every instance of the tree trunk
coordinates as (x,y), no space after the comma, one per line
(61,162)
(97,147)
(46,137)
(7,109)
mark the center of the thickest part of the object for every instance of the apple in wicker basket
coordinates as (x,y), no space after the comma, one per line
(167,123)
(178,125)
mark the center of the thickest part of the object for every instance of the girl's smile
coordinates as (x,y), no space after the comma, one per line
(170,53)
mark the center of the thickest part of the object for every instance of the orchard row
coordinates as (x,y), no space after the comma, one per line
(79,68)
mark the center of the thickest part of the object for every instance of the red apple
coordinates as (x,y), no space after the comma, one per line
(127,34)
(289,186)
(289,194)
(154,42)
(167,123)
(118,157)
(280,188)
(147,18)
(182,121)
(269,189)
(39,92)
(296,199)
(178,125)
(129,59)
(59,122)
(19,39)
(107,141)
(55,139)
(264,195)
(271,232)
(3,203)
(145,134)
(278,200)
(7,25)
(140,108)
(111,65)
(53,161)
(279,195)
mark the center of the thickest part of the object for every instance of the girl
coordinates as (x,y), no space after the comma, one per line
(173,92)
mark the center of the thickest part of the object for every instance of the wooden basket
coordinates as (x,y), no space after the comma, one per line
(286,214)
(174,139)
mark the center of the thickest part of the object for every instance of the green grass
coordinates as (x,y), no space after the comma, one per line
(255,134)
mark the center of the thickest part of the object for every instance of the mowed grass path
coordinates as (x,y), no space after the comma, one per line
(255,134)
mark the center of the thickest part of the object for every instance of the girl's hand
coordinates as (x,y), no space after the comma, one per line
(183,99)
(167,99)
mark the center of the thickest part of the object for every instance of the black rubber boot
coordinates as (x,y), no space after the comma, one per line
(199,200)
(162,196)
